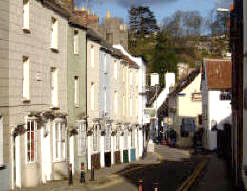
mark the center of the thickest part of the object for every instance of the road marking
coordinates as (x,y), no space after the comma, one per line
(191,179)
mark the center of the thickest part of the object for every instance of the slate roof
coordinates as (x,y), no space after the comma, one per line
(219,73)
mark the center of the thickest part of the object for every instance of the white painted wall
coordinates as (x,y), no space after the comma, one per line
(102,151)
(220,111)
(89,152)
(170,81)
(185,105)
(121,147)
(141,80)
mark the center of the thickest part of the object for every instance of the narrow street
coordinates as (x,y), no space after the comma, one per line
(169,167)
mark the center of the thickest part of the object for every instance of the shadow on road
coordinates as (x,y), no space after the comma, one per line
(168,174)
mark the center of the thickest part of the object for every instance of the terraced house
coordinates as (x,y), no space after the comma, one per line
(76,86)
(33,102)
(66,96)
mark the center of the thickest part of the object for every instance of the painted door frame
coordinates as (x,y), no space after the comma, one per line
(46,159)
(17,161)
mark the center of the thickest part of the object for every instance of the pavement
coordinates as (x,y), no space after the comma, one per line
(169,167)
(215,177)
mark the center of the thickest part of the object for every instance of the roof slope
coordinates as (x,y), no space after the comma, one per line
(182,84)
(219,73)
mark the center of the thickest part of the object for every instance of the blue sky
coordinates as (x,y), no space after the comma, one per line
(161,8)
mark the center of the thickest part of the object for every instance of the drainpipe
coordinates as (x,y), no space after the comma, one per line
(86,100)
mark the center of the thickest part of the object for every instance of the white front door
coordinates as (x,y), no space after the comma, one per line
(46,153)
(71,152)
(18,161)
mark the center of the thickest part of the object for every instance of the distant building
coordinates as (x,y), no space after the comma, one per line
(216,95)
(185,107)
(113,30)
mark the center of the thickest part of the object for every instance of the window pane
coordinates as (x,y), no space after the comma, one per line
(32,146)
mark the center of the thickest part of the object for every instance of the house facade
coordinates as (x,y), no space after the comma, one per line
(59,103)
(216,90)
(142,98)
(185,105)
(34,107)
(76,86)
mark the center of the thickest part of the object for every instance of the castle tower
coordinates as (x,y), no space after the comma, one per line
(108,14)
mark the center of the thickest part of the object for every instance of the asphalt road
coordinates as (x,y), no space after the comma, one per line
(168,167)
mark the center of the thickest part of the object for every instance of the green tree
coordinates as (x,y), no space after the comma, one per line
(142,21)
(164,57)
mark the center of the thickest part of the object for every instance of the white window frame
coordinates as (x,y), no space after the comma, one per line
(132,138)
(76,41)
(54,87)
(116,102)
(123,104)
(115,69)
(131,78)
(29,121)
(123,73)
(137,105)
(82,135)
(105,100)
(131,106)
(96,138)
(92,56)
(118,141)
(26,15)
(92,96)
(126,139)
(54,33)
(76,91)
(105,64)
(1,142)
(26,78)
(59,143)
(108,138)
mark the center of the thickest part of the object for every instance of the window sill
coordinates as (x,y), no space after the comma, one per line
(53,49)
(54,107)
(31,162)
(25,100)
(76,54)
(26,30)
(59,160)
(77,106)
(2,166)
